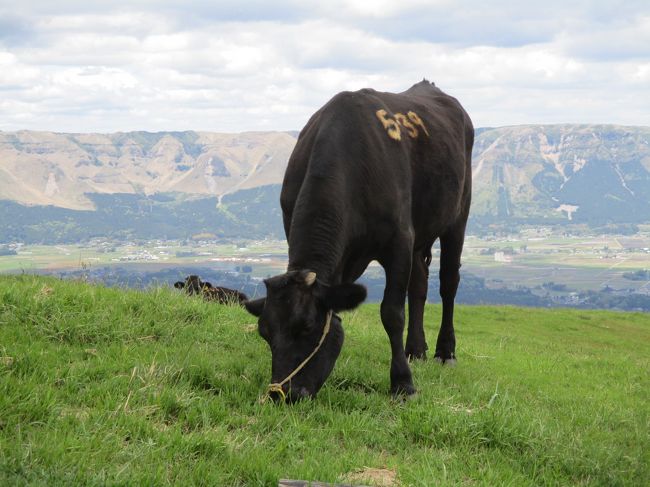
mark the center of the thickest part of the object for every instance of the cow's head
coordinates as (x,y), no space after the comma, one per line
(292,317)
(192,284)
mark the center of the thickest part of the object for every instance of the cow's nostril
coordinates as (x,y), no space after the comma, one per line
(276,395)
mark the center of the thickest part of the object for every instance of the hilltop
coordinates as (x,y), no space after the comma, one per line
(109,386)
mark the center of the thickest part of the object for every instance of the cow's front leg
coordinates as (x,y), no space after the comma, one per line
(398,269)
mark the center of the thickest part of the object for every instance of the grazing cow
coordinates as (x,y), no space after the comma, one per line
(373,176)
(194,285)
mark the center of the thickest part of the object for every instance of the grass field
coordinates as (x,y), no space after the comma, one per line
(107,386)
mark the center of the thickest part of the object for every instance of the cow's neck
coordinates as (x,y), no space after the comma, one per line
(316,239)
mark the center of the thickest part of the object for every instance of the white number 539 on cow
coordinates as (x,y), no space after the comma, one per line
(394,124)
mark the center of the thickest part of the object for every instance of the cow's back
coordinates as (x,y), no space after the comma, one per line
(381,162)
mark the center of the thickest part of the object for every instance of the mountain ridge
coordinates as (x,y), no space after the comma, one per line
(522,174)
(549,171)
(60,169)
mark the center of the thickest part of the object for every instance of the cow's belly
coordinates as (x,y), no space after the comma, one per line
(434,212)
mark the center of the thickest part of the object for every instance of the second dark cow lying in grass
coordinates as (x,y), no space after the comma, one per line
(194,285)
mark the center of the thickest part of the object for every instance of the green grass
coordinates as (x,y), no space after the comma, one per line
(108,386)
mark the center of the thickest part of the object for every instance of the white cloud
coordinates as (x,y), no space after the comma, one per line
(112,66)
(376,8)
(641,73)
(13,73)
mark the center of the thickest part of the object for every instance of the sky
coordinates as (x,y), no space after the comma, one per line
(232,66)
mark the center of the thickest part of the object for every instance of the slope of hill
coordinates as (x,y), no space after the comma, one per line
(108,386)
(579,173)
(550,174)
(247,213)
(62,170)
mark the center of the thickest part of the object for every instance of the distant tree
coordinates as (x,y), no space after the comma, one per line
(640,275)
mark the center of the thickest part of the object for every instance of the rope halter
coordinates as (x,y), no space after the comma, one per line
(277,386)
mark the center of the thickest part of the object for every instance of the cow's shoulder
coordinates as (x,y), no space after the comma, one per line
(424,97)
(433,98)
(346,112)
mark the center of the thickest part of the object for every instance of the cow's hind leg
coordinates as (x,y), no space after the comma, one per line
(451,246)
(416,345)
(397,265)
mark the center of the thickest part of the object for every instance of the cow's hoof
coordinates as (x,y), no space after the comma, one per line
(415,355)
(449,362)
(403,390)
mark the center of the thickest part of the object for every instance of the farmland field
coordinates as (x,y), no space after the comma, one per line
(110,386)
(578,262)
(33,258)
(524,260)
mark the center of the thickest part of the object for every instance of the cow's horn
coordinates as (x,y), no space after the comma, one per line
(310,278)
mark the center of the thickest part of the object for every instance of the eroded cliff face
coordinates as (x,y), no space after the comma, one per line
(539,171)
(530,172)
(45,168)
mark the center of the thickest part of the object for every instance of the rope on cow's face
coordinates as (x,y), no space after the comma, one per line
(277,386)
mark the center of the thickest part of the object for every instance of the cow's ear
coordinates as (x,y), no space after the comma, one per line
(255,306)
(344,296)
(179,284)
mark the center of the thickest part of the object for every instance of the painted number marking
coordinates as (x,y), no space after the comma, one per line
(394,124)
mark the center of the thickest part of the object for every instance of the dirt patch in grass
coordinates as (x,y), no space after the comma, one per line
(378,477)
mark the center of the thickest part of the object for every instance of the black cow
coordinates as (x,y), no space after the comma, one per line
(373,176)
(194,285)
